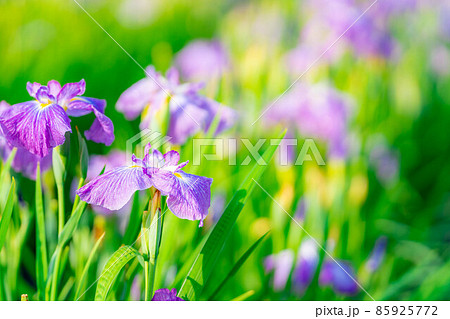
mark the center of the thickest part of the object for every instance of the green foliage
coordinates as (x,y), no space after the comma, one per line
(112,269)
(7,212)
(206,260)
(41,242)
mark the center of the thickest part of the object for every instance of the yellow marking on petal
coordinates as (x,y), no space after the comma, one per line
(46,104)
(178,175)
(145,111)
(133,166)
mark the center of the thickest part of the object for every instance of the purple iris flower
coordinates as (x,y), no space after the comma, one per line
(281,265)
(166,295)
(331,272)
(202,60)
(189,195)
(41,124)
(339,276)
(317,111)
(306,266)
(377,255)
(189,111)
(24,162)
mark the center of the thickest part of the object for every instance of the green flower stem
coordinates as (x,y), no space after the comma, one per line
(55,275)
(77,198)
(151,240)
(61,214)
(58,172)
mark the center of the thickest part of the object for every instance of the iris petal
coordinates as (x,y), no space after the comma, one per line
(69,91)
(35,128)
(133,101)
(166,295)
(32,88)
(114,189)
(190,196)
(102,130)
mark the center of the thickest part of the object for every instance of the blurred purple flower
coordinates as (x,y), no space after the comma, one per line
(300,210)
(385,161)
(317,111)
(189,111)
(189,195)
(166,295)
(41,124)
(339,276)
(440,60)
(24,162)
(218,206)
(365,37)
(202,60)
(386,9)
(281,265)
(377,255)
(307,261)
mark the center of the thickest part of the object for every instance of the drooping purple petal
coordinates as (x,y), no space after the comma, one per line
(189,195)
(114,189)
(102,129)
(24,162)
(81,105)
(36,128)
(166,295)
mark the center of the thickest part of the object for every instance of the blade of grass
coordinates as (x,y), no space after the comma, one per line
(5,173)
(87,265)
(237,266)
(205,261)
(66,289)
(7,212)
(112,268)
(59,171)
(41,243)
(64,237)
(244,296)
